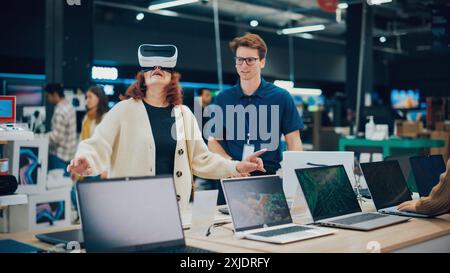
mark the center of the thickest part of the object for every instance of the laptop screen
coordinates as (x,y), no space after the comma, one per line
(328,191)
(427,171)
(129,215)
(256,201)
(405,166)
(386,183)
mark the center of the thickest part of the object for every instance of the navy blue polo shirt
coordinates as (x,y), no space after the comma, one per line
(264,98)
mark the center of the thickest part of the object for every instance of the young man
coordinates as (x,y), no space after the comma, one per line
(275,113)
(63,136)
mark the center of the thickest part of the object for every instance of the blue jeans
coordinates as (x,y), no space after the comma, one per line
(55,162)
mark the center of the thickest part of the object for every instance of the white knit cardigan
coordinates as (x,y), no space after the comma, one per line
(123,144)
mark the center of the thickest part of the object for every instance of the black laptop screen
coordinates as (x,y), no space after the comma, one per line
(328,192)
(386,183)
(132,215)
(255,202)
(405,166)
(427,171)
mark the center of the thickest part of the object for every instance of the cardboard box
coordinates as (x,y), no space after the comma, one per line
(443,126)
(445,151)
(50,209)
(408,128)
(28,163)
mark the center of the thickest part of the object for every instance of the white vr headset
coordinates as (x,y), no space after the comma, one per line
(157,55)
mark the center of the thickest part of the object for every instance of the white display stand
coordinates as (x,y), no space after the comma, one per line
(13,199)
(299,160)
(57,180)
(49,209)
(29,164)
(13,132)
(5,202)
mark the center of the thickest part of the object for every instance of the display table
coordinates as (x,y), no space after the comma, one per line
(392,146)
(411,236)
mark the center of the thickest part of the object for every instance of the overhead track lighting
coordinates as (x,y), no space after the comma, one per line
(294,30)
(378,2)
(170,4)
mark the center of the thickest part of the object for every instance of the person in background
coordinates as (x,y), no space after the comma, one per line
(97,107)
(438,202)
(63,134)
(205,100)
(206,97)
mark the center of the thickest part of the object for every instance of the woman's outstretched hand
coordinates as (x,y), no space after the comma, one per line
(80,166)
(251,163)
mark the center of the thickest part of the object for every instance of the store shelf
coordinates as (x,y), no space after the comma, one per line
(13,132)
(14,199)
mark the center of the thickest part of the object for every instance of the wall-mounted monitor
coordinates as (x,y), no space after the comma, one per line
(26,95)
(405,98)
(7,109)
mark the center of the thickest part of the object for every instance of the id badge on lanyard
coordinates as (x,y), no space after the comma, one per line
(248,148)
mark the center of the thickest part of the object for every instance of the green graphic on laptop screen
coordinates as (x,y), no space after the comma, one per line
(328,191)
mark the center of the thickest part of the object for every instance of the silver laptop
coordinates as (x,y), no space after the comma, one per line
(260,212)
(332,201)
(388,187)
(131,215)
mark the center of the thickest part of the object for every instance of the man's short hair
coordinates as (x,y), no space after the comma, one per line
(201,90)
(252,41)
(54,88)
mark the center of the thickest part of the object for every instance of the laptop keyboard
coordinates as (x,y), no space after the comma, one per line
(281,231)
(359,218)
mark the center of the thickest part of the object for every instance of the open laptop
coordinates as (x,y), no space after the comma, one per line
(405,166)
(260,212)
(388,187)
(131,215)
(310,159)
(332,201)
(427,171)
(62,237)
(13,246)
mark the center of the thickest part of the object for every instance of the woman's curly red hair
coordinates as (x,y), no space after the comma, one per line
(173,90)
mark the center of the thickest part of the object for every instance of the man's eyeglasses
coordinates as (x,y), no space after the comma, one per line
(147,69)
(249,60)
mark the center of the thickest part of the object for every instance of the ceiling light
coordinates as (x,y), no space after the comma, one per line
(104,73)
(140,16)
(170,4)
(254,23)
(167,13)
(383,39)
(342,5)
(378,2)
(306,36)
(305,91)
(302,29)
(284,84)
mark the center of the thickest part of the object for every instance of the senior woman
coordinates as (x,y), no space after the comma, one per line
(152,133)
